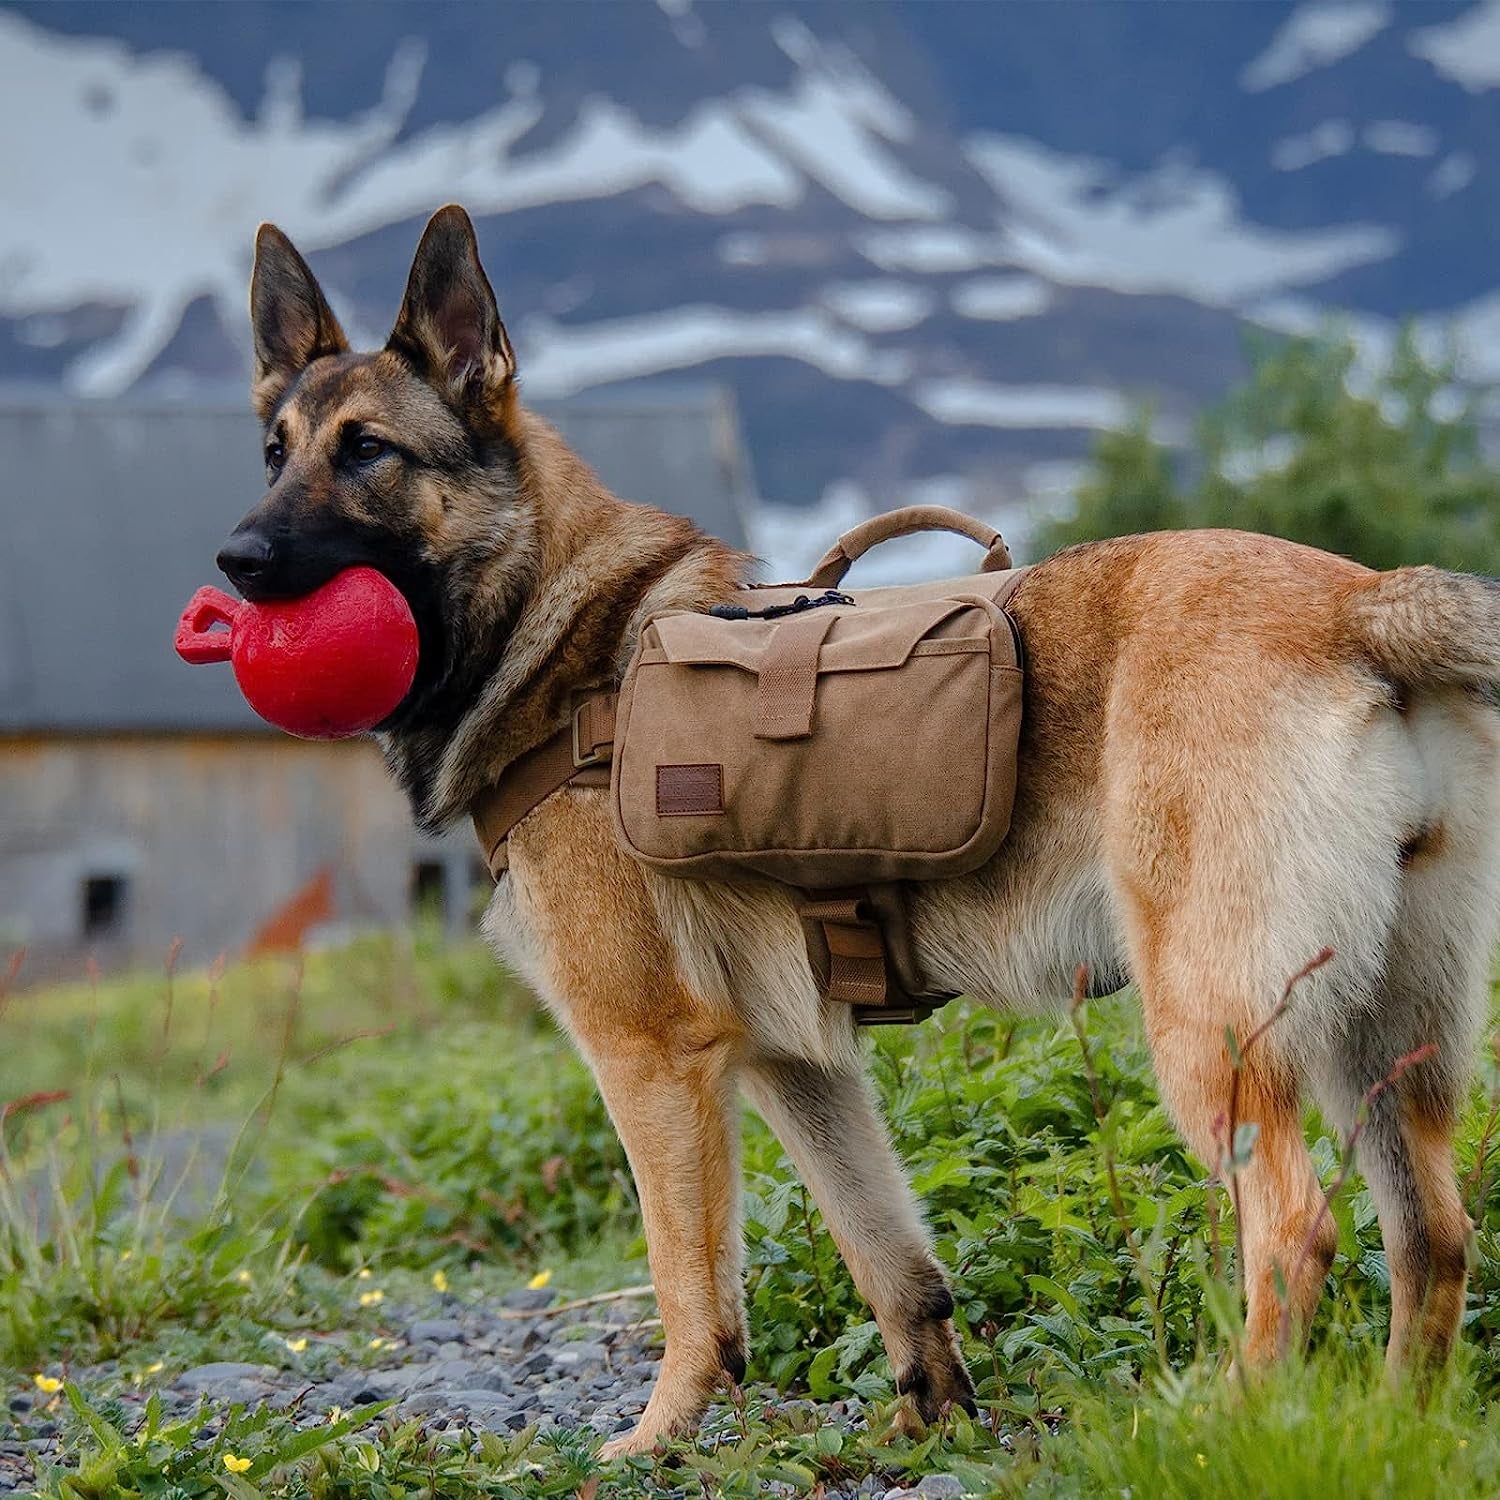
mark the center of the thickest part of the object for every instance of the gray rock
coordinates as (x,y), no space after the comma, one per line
(210,1379)
(940,1486)
(476,1403)
(423,1404)
(456,1372)
(529,1299)
(435,1331)
(580,1356)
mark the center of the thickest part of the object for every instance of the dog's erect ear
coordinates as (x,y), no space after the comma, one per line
(289,316)
(449,327)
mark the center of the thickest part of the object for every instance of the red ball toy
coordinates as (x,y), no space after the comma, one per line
(331,664)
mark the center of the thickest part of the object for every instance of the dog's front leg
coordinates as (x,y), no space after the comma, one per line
(675,1110)
(666,1064)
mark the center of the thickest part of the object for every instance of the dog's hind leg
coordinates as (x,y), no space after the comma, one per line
(1434,991)
(1406,1154)
(831,1129)
(1286,1242)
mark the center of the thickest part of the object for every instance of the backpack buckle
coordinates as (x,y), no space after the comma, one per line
(600,745)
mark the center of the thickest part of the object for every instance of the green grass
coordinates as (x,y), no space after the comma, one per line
(401,1107)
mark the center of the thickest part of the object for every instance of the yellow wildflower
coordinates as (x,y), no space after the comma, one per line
(378,1343)
(296,1345)
(440,1280)
(369,1299)
(540,1280)
(48,1384)
(243,1277)
(1202,1460)
(364,1273)
(125,1255)
(235,1464)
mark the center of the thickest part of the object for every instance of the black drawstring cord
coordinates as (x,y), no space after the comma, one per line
(776,611)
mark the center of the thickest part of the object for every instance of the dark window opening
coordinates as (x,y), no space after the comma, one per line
(103,904)
(429,887)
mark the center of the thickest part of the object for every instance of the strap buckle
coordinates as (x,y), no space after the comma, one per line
(581,758)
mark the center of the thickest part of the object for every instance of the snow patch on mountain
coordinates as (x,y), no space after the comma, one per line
(561,359)
(931,249)
(1400,138)
(879,306)
(182,177)
(1476,330)
(1175,230)
(1315,36)
(1294,152)
(832,123)
(790,540)
(1452,175)
(1001,298)
(1466,49)
(965,402)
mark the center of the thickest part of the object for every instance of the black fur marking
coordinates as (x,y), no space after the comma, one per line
(914,1381)
(928,1299)
(732,1357)
(935,1305)
(1104,982)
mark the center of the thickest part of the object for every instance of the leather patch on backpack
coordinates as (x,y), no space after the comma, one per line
(689,791)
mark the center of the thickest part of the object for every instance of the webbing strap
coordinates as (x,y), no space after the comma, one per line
(789,677)
(577,754)
(856,949)
(594,729)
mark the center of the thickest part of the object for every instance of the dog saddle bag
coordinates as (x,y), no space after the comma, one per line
(839,742)
(822,738)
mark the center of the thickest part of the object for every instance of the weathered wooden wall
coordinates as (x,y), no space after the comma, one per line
(211,834)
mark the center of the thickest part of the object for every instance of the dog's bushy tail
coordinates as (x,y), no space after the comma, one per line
(1426,625)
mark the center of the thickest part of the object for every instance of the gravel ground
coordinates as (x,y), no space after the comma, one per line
(497,1369)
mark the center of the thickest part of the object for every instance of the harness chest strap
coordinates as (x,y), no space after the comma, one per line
(846,937)
(576,755)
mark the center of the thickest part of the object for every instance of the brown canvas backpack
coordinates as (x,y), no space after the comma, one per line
(841,743)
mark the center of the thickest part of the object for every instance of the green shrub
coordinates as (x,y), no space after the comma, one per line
(1382,465)
(475,1142)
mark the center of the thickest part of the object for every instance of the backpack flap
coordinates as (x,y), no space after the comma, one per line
(838,745)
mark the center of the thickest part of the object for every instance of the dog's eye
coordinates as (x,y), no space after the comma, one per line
(367,447)
(275,456)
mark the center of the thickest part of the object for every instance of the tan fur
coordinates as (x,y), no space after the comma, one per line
(1235,752)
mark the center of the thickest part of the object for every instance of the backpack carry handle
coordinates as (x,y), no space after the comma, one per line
(859,539)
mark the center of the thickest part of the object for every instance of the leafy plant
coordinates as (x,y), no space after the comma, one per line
(1381,464)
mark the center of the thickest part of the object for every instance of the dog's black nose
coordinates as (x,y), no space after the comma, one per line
(245,559)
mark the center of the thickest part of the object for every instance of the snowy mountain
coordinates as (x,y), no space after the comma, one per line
(932,246)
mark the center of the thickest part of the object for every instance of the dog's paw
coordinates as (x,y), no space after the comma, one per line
(639,1440)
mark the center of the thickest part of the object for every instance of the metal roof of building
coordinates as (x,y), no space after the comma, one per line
(111,513)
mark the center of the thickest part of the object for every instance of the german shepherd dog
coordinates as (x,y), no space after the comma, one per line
(1236,752)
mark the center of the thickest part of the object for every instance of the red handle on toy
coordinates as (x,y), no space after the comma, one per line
(197,641)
